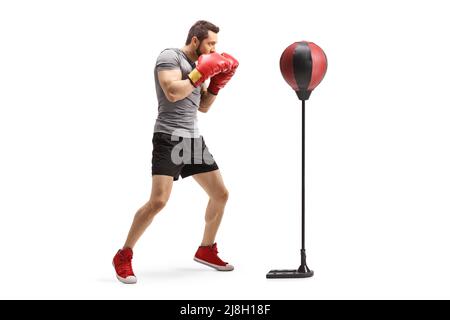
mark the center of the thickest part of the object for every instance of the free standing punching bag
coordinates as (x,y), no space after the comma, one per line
(303,65)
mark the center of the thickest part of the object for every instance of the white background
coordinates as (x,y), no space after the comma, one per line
(77,109)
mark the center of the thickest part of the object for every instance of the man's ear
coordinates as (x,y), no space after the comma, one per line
(195,41)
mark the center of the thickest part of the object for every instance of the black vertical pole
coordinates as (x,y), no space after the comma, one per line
(303,271)
(303,175)
(303,267)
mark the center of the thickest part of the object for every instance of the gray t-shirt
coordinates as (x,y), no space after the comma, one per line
(180,117)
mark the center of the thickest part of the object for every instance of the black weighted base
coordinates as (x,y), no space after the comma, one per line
(302,271)
(288,274)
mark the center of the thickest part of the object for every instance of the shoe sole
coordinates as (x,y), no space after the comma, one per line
(218,268)
(123,280)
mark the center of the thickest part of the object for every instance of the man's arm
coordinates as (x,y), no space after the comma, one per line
(206,100)
(174,88)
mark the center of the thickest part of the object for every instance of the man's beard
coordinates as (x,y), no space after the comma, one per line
(197,51)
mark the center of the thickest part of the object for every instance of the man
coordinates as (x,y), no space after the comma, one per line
(178,149)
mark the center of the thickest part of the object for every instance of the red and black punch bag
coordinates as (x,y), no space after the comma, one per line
(303,65)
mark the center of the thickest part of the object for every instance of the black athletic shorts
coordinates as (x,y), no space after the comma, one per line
(175,156)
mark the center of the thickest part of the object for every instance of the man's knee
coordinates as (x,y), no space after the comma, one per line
(157,204)
(152,207)
(221,195)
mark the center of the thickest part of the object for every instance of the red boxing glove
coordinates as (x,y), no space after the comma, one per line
(208,65)
(220,80)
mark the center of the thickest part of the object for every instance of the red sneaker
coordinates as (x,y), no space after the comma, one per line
(122,264)
(208,256)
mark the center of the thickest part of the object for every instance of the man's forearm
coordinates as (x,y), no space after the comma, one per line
(206,101)
(179,90)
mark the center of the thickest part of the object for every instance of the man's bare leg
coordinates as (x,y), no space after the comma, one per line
(214,186)
(161,188)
